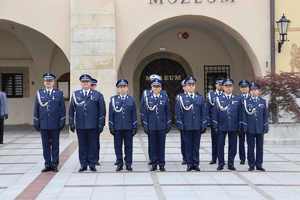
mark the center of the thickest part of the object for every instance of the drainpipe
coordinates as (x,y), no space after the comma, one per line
(272,38)
(274,107)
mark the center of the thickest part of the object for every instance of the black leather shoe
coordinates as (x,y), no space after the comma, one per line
(82,169)
(183,162)
(93,168)
(46,169)
(242,162)
(189,168)
(150,163)
(220,167)
(116,163)
(162,168)
(251,169)
(197,168)
(119,168)
(212,162)
(54,169)
(260,169)
(232,168)
(153,168)
(98,163)
(128,168)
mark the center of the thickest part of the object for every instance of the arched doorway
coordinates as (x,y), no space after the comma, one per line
(172,74)
(25,55)
(209,43)
(211,49)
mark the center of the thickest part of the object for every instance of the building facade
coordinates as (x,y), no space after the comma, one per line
(131,39)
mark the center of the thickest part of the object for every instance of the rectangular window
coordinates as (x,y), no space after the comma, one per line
(13,84)
(213,72)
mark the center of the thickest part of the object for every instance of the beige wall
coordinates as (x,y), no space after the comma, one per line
(289,59)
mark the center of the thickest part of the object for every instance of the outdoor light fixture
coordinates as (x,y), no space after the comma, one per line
(283,25)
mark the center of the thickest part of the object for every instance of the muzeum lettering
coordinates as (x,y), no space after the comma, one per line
(161,2)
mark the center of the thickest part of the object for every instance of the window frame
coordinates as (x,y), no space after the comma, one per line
(5,76)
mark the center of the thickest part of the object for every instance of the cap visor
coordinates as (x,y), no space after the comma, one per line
(156,84)
(85,80)
(48,79)
(190,82)
(122,84)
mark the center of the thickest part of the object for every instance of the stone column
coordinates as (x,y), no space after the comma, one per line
(93,43)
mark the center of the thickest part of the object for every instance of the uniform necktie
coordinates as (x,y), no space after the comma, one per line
(48,92)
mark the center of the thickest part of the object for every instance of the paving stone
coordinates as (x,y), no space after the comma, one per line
(18,167)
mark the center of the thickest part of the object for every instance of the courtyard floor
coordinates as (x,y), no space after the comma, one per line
(21,161)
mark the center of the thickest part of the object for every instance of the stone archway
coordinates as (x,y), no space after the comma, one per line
(25,55)
(211,43)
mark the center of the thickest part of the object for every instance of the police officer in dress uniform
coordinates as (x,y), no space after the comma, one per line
(184,89)
(49,119)
(152,78)
(191,119)
(244,89)
(87,115)
(156,121)
(123,124)
(226,121)
(211,100)
(94,83)
(255,123)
